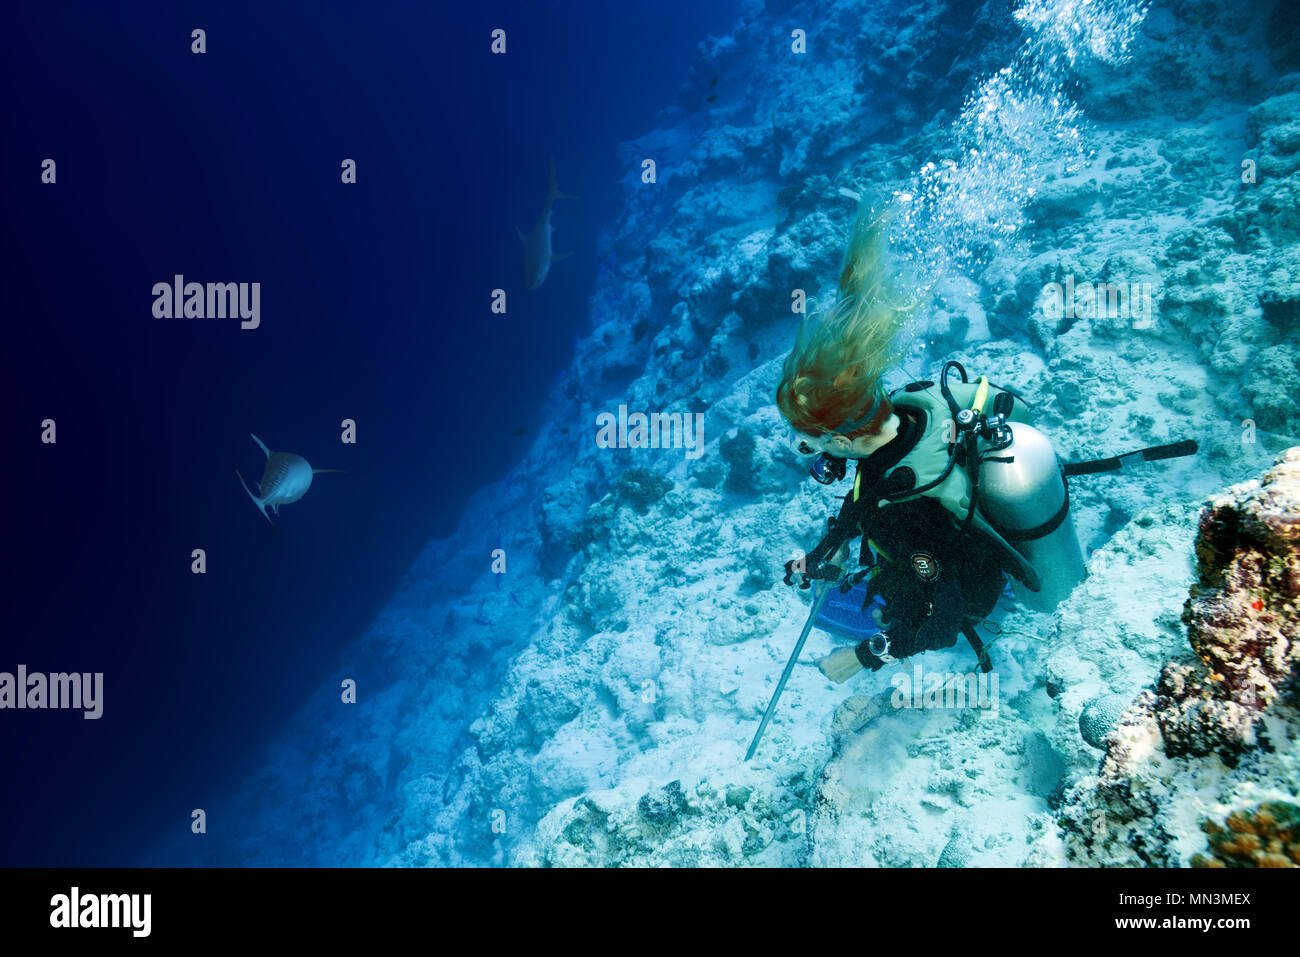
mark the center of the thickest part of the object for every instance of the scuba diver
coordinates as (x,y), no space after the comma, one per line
(932,563)
(954,489)
(955,492)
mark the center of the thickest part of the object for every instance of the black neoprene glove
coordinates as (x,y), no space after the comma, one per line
(810,571)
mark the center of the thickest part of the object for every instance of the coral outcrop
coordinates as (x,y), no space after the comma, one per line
(1221,723)
(1243,618)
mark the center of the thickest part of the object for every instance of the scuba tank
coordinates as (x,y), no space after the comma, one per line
(1023,494)
(998,475)
(1018,487)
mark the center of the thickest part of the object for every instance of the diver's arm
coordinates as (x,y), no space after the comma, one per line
(816,564)
(918,579)
(922,591)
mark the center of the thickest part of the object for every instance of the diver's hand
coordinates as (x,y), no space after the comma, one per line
(840,665)
(799,571)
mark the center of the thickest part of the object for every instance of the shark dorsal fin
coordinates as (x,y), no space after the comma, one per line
(261,445)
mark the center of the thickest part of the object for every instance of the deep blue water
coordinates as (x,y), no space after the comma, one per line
(226,167)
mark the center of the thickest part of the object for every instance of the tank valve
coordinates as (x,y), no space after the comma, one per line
(995,431)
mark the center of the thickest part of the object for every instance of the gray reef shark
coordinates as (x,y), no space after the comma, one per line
(285,479)
(537,244)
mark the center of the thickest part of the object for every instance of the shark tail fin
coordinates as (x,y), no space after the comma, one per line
(261,507)
(261,445)
(554,189)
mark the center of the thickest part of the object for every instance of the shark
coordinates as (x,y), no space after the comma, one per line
(285,479)
(538,255)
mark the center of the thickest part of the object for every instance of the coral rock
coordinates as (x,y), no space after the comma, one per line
(1242,617)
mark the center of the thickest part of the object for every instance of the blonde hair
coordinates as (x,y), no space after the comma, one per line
(834,375)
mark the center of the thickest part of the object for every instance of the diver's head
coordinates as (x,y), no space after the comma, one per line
(857,446)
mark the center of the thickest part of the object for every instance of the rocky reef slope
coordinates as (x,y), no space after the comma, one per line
(592,705)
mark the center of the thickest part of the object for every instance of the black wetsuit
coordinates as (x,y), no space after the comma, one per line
(935,579)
